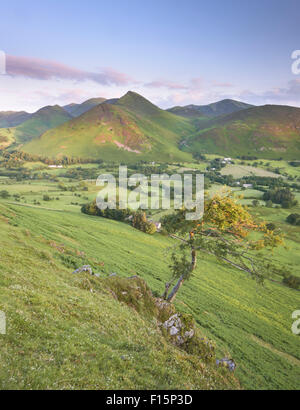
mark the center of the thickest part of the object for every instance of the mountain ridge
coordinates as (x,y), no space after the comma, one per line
(125,129)
(222,107)
(268,131)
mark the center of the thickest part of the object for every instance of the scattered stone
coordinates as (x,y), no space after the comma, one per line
(113,274)
(225,362)
(125,357)
(84,268)
(180,328)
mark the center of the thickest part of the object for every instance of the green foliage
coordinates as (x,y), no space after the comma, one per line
(180,266)
(291,281)
(271,226)
(46,197)
(224,232)
(116,214)
(4,194)
(282,196)
(293,219)
(134,292)
(139,221)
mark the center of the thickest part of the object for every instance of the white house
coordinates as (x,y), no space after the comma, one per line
(247,185)
(158,226)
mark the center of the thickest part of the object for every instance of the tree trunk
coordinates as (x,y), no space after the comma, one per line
(194,259)
(167,287)
(180,281)
(176,288)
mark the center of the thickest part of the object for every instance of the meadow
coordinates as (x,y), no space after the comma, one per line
(63,335)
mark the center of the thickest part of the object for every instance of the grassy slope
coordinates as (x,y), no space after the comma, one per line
(76,338)
(38,123)
(133,122)
(7,137)
(266,132)
(60,334)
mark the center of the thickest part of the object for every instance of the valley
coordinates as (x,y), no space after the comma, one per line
(47,237)
(80,330)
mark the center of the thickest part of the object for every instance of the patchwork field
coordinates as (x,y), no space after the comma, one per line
(239,171)
(249,322)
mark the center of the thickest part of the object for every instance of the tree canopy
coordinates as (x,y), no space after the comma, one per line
(227,231)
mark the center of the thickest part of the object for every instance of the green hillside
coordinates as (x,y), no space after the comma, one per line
(39,122)
(77,109)
(62,335)
(131,129)
(269,131)
(69,331)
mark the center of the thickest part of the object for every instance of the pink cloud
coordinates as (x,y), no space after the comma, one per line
(46,70)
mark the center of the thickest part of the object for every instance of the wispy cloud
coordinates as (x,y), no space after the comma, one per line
(282,95)
(170,85)
(35,68)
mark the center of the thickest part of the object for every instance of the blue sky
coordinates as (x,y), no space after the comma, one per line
(173,52)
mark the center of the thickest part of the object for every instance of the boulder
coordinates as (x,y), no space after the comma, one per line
(84,268)
(180,328)
(225,362)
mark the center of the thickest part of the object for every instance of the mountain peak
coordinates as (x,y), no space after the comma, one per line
(138,104)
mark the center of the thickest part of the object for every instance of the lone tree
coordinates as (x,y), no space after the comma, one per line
(228,232)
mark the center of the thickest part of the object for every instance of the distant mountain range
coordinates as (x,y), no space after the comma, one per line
(216,109)
(131,128)
(77,109)
(269,131)
(13,118)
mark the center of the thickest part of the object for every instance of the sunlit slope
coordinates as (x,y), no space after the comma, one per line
(39,122)
(68,331)
(131,129)
(269,131)
(250,323)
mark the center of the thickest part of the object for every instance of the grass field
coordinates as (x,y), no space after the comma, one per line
(239,171)
(68,332)
(248,322)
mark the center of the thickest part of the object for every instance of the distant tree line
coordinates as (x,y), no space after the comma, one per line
(18,156)
(137,219)
(293,219)
(282,196)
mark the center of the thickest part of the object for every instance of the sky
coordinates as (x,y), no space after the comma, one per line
(173,52)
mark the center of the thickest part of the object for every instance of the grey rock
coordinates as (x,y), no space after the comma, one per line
(225,362)
(84,268)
